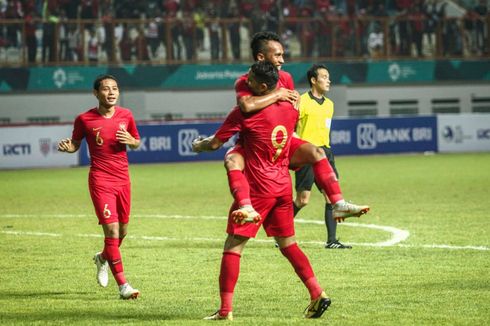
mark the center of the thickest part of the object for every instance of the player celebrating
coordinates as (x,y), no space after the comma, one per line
(107,129)
(266,138)
(266,46)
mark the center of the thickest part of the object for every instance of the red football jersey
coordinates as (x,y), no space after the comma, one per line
(242,89)
(266,137)
(109,160)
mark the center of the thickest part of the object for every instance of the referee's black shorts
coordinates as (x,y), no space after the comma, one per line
(304,177)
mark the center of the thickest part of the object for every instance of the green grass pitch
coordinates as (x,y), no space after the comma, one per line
(420,257)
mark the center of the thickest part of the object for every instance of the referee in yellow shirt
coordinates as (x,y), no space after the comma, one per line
(315,118)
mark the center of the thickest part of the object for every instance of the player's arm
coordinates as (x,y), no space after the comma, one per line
(68,145)
(252,103)
(207,144)
(124,137)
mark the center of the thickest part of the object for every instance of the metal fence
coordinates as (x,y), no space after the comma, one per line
(175,41)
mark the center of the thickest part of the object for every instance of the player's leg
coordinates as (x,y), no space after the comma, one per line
(304,180)
(126,291)
(280,225)
(303,153)
(339,211)
(239,186)
(228,277)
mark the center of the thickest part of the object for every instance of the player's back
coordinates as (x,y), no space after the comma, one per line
(266,139)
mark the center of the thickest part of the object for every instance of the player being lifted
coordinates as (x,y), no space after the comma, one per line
(266,46)
(107,129)
(266,139)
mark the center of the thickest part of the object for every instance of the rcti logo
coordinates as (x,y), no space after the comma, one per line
(185,138)
(366,136)
(16,149)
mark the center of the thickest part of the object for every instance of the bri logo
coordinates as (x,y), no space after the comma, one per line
(366,136)
(185,138)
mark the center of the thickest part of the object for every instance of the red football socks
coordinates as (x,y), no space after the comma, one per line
(113,256)
(239,187)
(228,277)
(327,180)
(302,267)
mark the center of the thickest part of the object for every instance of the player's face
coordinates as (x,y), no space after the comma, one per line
(274,54)
(108,93)
(322,82)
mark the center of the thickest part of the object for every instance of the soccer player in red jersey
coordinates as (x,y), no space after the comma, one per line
(266,46)
(266,138)
(108,129)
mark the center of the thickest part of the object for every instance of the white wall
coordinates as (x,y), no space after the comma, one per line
(189,104)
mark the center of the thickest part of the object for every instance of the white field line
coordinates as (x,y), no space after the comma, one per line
(397,235)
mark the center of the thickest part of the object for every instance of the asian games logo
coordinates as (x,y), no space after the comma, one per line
(59,78)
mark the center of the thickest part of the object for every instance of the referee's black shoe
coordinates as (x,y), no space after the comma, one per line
(336,245)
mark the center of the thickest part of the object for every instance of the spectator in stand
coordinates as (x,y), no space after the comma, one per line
(152,35)
(214,33)
(325,28)
(376,42)
(13,12)
(74,47)
(306,33)
(234,31)
(199,17)
(93,47)
(469,30)
(50,19)
(141,46)
(89,9)
(109,26)
(188,32)
(416,18)
(481,25)
(175,33)
(30,34)
(431,22)
(126,45)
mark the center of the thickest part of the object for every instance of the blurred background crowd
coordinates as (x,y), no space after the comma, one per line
(34,32)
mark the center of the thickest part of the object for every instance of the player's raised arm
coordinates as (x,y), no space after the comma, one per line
(249,104)
(68,145)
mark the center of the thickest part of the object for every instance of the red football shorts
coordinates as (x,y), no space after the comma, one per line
(112,204)
(277,218)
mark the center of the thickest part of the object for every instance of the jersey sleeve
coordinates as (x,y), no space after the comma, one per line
(132,127)
(231,125)
(241,88)
(78,130)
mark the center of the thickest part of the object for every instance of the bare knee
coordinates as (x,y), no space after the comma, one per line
(234,162)
(302,199)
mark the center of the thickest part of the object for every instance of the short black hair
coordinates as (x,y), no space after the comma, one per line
(313,72)
(100,78)
(259,42)
(265,72)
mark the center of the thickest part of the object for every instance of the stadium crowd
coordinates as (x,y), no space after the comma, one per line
(176,30)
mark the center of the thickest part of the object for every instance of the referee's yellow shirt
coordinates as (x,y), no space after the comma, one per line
(315,119)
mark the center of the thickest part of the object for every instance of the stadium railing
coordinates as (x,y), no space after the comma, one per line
(176,41)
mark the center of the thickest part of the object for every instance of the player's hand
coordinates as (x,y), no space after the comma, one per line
(197,144)
(298,101)
(124,137)
(66,145)
(288,95)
